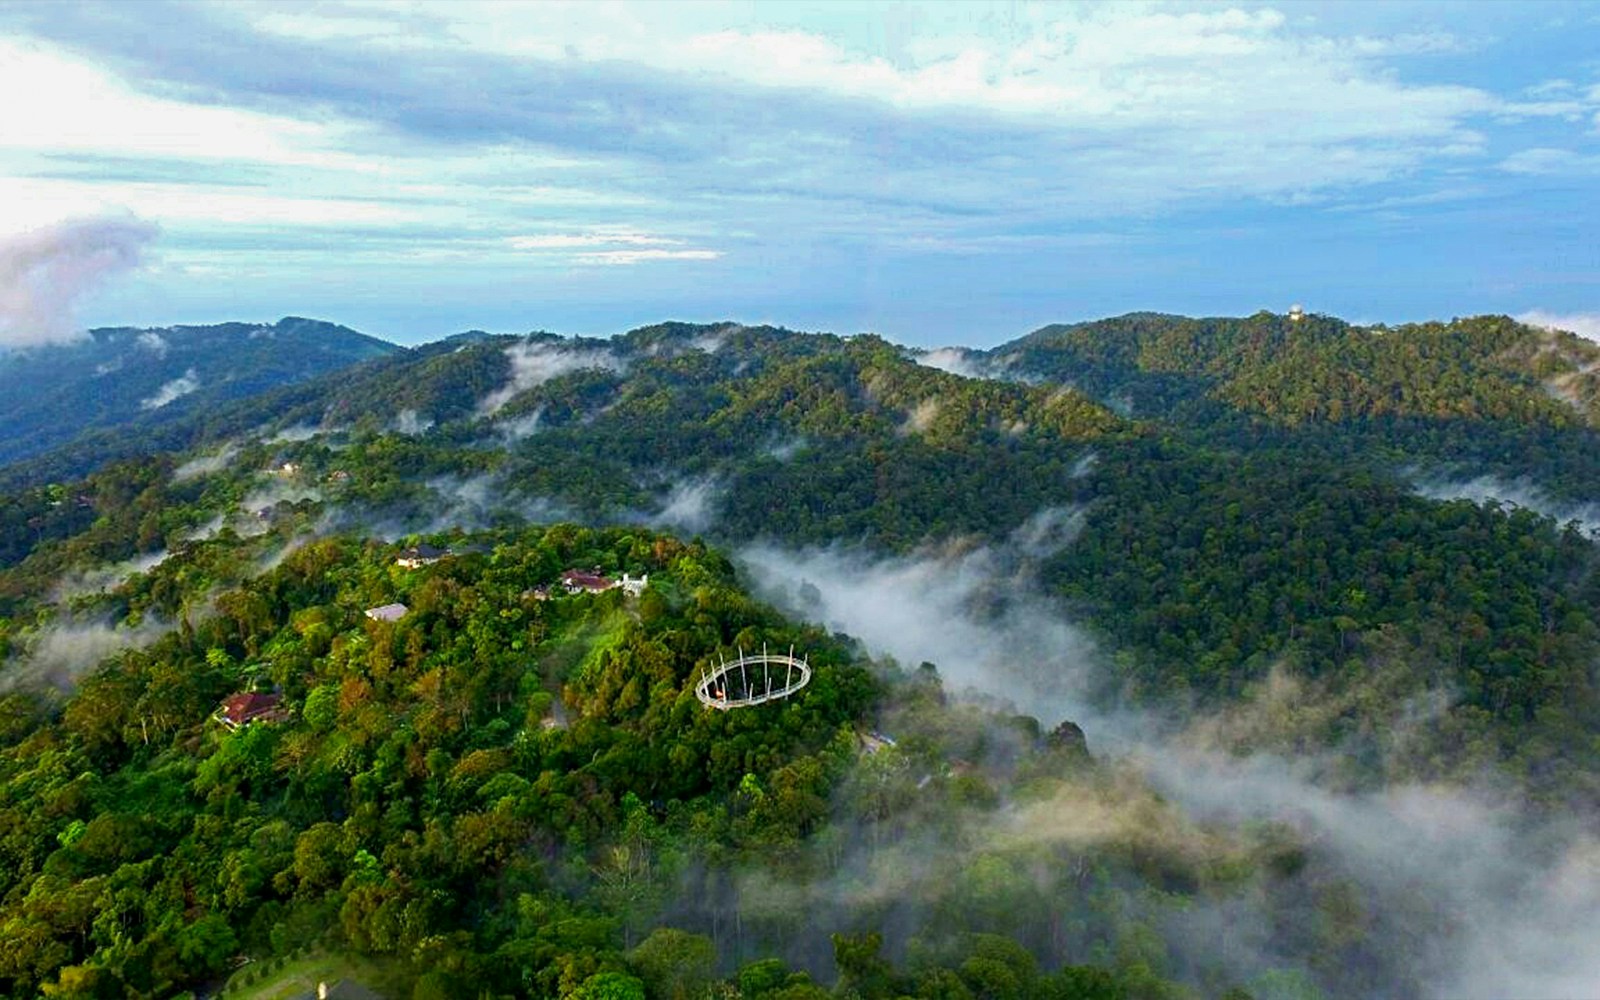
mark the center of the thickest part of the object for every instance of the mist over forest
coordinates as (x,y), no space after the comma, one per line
(870,500)
(1135,674)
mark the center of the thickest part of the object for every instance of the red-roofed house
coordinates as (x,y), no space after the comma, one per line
(247,707)
(577,581)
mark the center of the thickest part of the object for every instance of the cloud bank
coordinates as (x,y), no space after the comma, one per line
(99,579)
(45,273)
(691,505)
(1584,324)
(962,173)
(955,360)
(205,465)
(1462,895)
(972,611)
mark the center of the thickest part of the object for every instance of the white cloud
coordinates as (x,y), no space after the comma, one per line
(624,257)
(262,500)
(1487,902)
(409,423)
(44,274)
(1223,85)
(62,653)
(1487,488)
(181,386)
(972,611)
(1517,916)
(691,506)
(517,428)
(299,432)
(553,143)
(333,22)
(1581,323)
(99,579)
(153,342)
(1141,102)
(1546,161)
(44,200)
(598,238)
(590,247)
(74,106)
(921,416)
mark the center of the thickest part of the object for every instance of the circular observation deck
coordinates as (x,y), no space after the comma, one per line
(752,679)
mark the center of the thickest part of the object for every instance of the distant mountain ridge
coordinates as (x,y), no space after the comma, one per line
(1484,393)
(131,379)
(1320,368)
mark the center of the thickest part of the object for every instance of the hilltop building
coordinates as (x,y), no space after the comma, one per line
(388,612)
(242,709)
(578,581)
(418,556)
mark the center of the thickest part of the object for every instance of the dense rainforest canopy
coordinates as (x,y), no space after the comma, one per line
(513,792)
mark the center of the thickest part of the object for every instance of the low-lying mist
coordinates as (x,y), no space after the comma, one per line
(1521,493)
(64,651)
(536,362)
(1458,894)
(969,609)
(99,579)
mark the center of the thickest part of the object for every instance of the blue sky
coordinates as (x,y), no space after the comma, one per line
(939,173)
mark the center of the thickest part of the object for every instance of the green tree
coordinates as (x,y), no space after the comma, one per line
(674,964)
(610,986)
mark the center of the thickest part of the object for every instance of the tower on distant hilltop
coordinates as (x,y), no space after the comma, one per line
(1296,313)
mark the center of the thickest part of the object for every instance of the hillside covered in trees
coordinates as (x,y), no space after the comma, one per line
(95,391)
(1485,391)
(508,794)
(505,795)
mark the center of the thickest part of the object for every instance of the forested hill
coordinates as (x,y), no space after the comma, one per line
(1321,368)
(1484,394)
(124,381)
(607,426)
(1214,550)
(1155,512)
(1487,392)
(512,791)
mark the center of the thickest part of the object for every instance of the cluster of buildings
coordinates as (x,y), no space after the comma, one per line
(242,709)
(577,581)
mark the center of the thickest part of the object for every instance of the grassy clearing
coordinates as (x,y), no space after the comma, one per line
(566,656)
(298,977)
